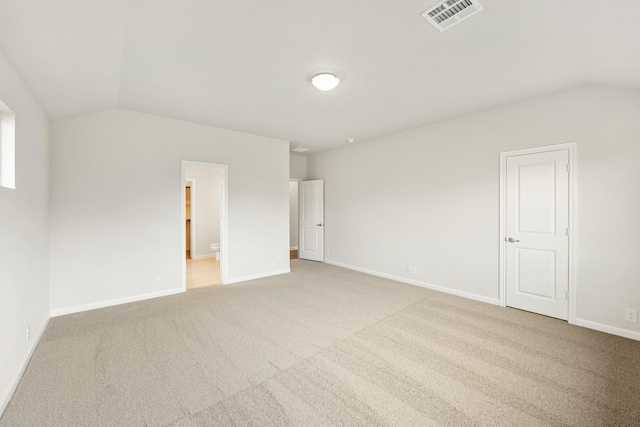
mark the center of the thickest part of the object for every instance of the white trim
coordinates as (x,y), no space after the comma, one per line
(468,295)
(297,181)
(7,148)
(224,228)
(572,147)
(613,330)
(125,300)
(573,231)
(205,256)
(8,393)
(224,215)
(258,276)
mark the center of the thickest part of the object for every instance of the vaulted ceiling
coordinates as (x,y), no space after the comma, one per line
(246,64)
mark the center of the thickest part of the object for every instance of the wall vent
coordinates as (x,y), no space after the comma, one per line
(448,13)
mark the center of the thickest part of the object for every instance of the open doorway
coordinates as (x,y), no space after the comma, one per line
(293,219)
(204,241)
(189,212)
(202,211)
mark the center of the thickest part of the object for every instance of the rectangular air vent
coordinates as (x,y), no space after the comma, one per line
(448,13)
(299,149)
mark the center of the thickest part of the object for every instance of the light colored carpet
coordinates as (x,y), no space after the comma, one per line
(324,346)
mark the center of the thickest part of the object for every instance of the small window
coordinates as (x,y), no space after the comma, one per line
(7,147)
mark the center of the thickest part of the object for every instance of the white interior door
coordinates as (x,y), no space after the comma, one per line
(537,229)
(311,220)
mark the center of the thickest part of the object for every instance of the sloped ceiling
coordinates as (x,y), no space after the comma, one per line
(246,64)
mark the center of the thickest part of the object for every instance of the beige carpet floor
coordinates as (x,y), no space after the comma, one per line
(324,346)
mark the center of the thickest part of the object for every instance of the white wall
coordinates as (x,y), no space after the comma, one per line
(297,166)
(109,240)
(293,215)
(428,197)
(207,203)
(24,256)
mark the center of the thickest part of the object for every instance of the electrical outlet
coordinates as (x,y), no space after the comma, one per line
(158,281)
(412,270)
(415,271)
(631,315)
(28,333)
(409,269)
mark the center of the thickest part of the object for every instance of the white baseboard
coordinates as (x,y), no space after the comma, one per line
(257,276)
(293,248)
(204,256)
(613,330)
(85,307)
(494,301)
(6,397)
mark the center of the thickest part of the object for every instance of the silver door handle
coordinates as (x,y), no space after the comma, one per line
(510,240)
(318,225)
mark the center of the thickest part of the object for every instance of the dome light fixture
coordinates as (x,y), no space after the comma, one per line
(325,81)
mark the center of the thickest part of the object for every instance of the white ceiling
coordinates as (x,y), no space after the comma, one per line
(246,64)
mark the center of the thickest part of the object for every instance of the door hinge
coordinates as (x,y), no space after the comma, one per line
(566,295)
(566,231)
(567,167)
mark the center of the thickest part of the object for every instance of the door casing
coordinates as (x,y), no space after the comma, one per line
(297,181)
(572,148)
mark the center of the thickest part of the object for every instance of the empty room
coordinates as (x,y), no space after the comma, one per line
(310,213)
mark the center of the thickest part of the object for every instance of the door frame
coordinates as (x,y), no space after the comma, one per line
(224,221)
(298,181)
(572,148)
(193,216)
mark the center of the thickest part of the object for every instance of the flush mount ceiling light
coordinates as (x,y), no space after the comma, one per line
(299,149)
(325,81)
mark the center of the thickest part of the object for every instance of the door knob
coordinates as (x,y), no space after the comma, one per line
(318,225)
(510,240)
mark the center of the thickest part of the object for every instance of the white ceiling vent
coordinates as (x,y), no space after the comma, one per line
(448,13)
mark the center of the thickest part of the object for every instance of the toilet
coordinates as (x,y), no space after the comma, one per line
(216,247)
